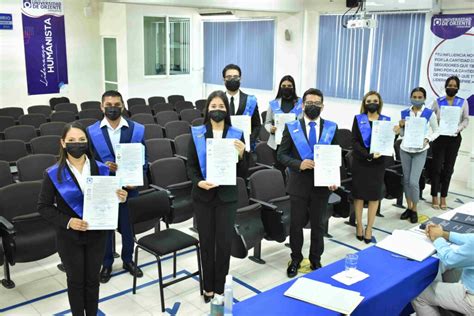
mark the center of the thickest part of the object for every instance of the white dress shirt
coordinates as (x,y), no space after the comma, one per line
(431,131)
(236,101)
(217,134)
(316,127)
(114,134)
(81,176)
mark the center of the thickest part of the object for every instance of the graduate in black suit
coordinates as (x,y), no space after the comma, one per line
(61,203)
(241,103)
(214,206)
(114,129)
(307,201)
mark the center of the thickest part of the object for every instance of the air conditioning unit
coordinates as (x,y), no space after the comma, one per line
(401,6)
(214,12)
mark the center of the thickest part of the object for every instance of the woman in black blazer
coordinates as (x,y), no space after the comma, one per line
(61,203)
(214,206)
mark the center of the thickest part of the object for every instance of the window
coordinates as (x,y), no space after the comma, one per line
(248,44)
(166,45)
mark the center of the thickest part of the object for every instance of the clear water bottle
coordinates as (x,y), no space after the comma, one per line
(228,295)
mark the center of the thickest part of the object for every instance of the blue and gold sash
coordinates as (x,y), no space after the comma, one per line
(365,128)
(297,109)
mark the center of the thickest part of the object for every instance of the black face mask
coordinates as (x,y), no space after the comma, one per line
(232,85)
(77,149)
(113,112)
(312,111)
(451,92)
(286,93)
(372,107)
(217,115)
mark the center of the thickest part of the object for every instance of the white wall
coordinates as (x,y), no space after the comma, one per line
(83,57)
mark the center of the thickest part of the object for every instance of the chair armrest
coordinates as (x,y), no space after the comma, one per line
(395,172)
(249,208)
(264,204)
(263,165)
(181,157)
(26,217)
(181,185)
(280,199)
(158,188)
(6,227)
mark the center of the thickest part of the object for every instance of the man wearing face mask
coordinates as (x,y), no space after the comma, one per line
(307,201)
(105,135)
(239,102)
(445,147)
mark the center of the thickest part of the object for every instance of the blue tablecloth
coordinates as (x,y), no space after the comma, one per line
(392,284)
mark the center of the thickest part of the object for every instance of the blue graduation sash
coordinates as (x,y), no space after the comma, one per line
(364,126)
(68,189)
(199,137)
(442,101)
(302,144)
(100,144)
(297,109)
(250,105)
(425,114)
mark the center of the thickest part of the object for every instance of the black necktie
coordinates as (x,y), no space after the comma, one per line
(232,109)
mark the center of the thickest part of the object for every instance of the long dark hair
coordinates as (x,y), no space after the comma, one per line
(455,78)
(63,152)
(223,97)
(289,78)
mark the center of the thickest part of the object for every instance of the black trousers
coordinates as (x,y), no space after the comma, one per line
(314,208)
(82,254)
(445,150)
(278,165)
(215,223)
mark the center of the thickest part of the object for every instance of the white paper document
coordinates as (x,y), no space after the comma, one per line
(101,203)
(280,121)
(243,122)
(449,120)
(221,161)
(325,295)
(130,159)
(350,277)
(415,128)
(327,163)
(408,244)
(382,138)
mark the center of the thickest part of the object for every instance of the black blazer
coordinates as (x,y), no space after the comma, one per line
(59,214)
(300,183)
(360,152)
(227,193)
(255,122)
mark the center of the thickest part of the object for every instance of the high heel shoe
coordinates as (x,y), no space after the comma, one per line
(367,241)
(359,237)
(208,298)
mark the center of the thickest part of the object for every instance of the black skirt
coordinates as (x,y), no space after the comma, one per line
(368,179)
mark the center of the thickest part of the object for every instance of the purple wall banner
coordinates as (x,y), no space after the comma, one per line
(452,54)
(45,45)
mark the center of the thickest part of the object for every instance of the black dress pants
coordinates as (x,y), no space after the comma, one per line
(445,151)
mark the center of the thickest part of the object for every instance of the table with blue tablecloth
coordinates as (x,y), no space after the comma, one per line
(392,284)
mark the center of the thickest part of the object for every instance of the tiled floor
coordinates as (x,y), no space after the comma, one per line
(40,286)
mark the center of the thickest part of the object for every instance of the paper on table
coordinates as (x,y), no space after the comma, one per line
(415,128)
(325,295)
(130,159)
(355,276)
(280,121)
(244,123)
(408,244)
(221,160)
(382,138)
(101,203)
(449,120)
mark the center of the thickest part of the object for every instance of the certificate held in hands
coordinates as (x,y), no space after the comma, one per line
(449,120)
(101,203)
(130,159)
(382,138)
(221,161)
(280,121)
(415,128)
(243,122)
(327,165)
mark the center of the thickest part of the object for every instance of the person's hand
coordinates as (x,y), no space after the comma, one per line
(332,187)
(396,129)
(78,224)
(112,166)
(434,231)
(377,155)
(307,164)
(206,185)
(426,142)
(273,130)
(122,195)
(240,146)
(401,123)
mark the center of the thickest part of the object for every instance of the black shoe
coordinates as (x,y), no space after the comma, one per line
(359,237)
(315,266)
(105,274)
(367,240)
(292,270)
(133,269)
(406,214)
(414,217)
(207,299)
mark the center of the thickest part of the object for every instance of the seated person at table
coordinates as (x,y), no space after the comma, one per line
(459,296)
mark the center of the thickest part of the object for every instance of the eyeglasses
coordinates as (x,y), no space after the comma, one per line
(319,104)
(229,78)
